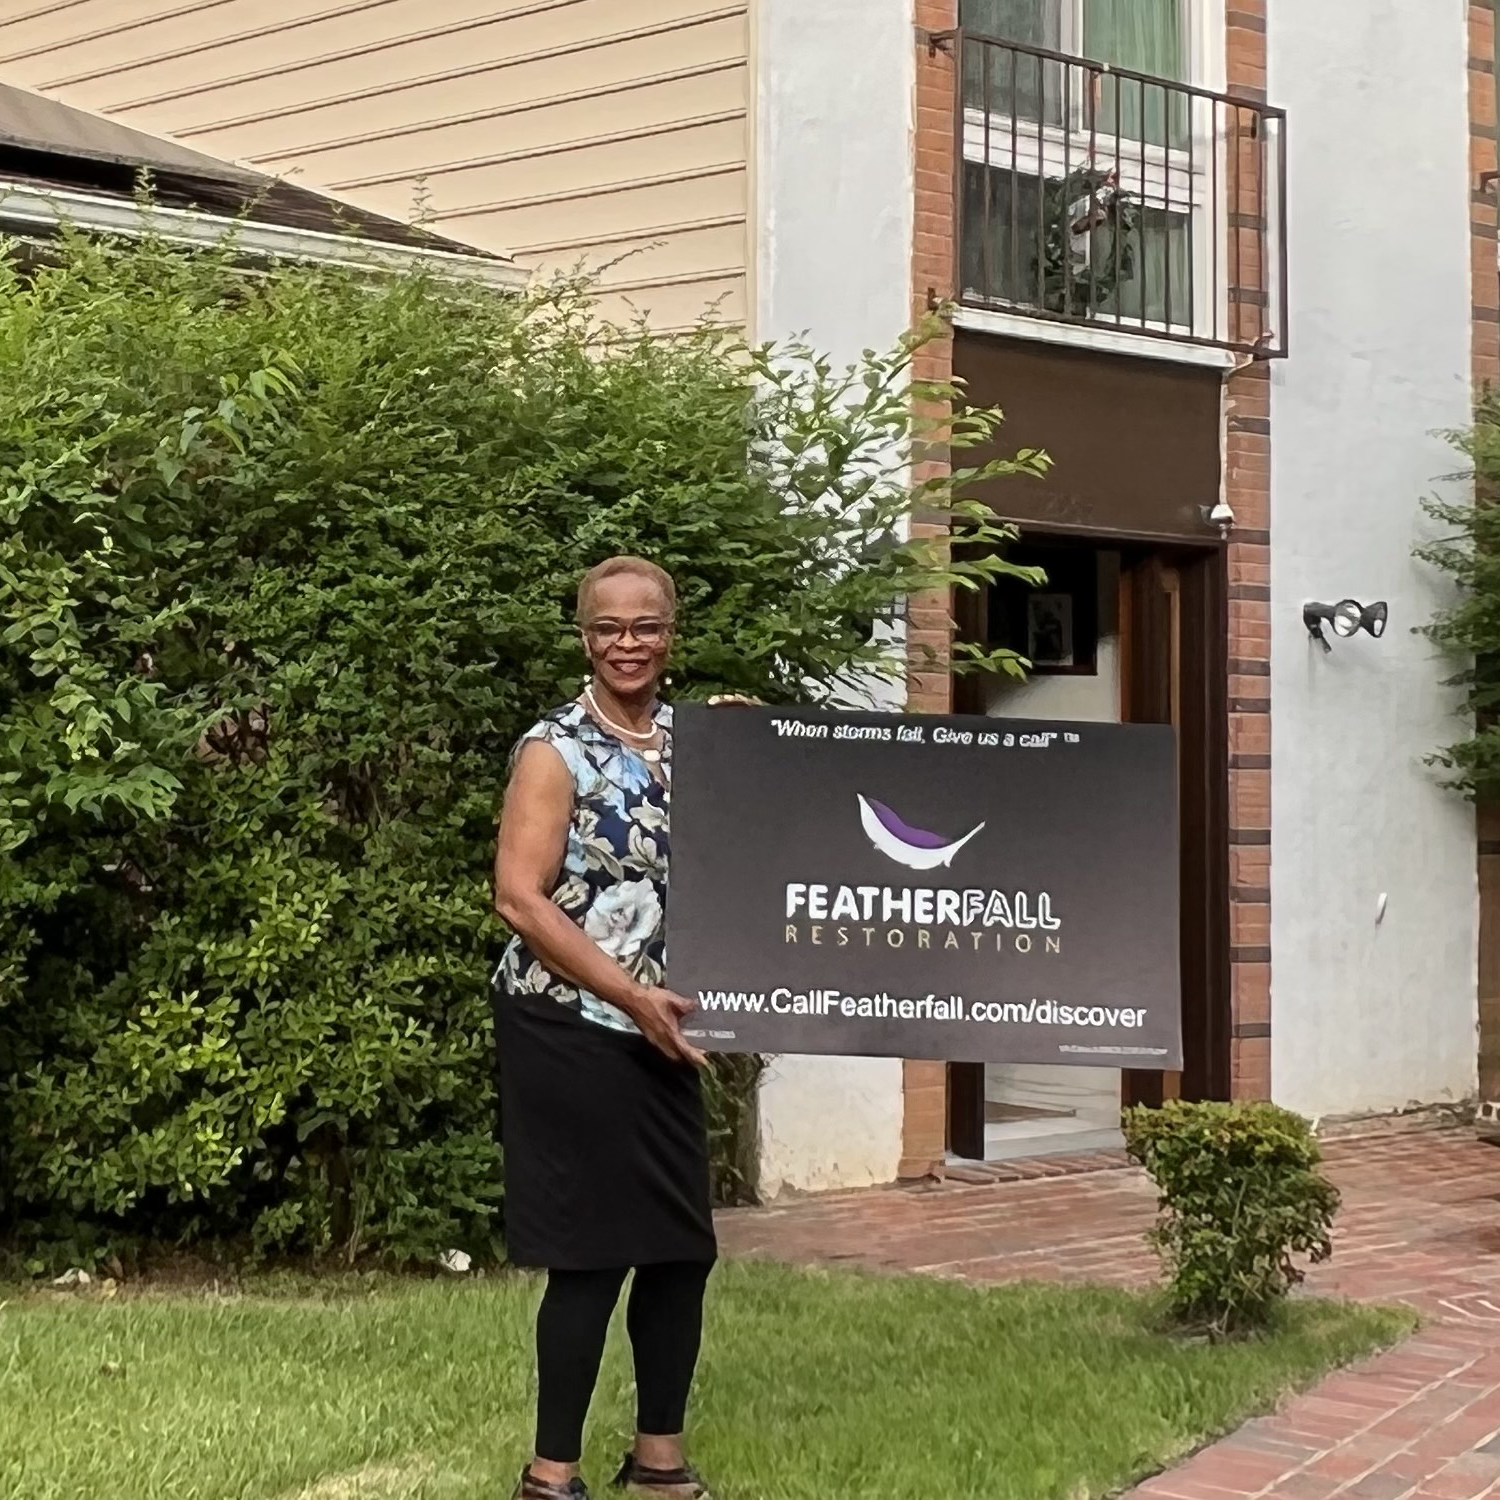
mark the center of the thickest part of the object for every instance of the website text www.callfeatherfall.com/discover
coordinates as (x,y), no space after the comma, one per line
(835,1005)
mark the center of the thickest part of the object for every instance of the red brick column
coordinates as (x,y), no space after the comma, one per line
(1485,281)
(1247,487)
(929,621)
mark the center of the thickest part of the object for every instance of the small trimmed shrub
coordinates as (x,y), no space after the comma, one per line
(1241,1197)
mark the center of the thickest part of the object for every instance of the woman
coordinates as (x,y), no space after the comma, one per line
(606,1157)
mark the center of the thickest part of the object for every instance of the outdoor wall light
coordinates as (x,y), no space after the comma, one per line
(1345,618)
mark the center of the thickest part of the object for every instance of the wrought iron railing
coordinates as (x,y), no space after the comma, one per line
(1094,195)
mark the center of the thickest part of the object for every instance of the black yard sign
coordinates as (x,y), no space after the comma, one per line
(980,890)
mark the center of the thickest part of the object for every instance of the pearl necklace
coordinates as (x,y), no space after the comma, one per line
(646,752)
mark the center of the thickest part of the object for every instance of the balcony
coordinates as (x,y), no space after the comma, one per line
(1110,200)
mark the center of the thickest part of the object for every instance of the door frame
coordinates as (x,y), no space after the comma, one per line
(1193,588)
(1199,708)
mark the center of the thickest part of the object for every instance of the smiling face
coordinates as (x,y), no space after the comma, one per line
(627,632)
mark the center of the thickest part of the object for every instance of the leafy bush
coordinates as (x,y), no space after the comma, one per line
(286,565)
(1469,629)
(1241,1196)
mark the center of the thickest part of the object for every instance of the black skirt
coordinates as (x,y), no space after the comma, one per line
(606,1154)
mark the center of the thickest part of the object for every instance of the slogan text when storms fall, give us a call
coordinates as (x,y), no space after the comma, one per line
(922,734)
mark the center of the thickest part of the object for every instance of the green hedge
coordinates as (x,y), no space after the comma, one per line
(286,564)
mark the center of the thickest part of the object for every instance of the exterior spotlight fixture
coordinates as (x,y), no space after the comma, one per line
(1220,515)
(1345,618)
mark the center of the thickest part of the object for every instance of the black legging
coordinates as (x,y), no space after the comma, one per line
(664,1318)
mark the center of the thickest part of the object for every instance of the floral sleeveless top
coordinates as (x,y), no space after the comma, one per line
(613,880)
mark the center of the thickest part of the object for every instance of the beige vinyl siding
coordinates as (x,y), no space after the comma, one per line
(612,133)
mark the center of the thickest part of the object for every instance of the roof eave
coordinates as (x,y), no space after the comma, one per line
(27,206)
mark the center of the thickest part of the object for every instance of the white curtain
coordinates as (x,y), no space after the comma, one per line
(1020,84)
(1032,23)
(1150,37)
(1145,36)
(1160,290)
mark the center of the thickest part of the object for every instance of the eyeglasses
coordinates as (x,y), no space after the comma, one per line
(611,632)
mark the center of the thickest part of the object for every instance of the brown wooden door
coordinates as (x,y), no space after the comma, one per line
(1174,645)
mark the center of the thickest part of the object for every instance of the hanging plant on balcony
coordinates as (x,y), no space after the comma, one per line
(1091,234)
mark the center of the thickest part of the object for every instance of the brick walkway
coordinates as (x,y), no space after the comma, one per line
(1420,1224)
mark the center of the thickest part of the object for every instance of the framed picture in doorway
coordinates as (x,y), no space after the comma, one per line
(1054,625)
(1049,632)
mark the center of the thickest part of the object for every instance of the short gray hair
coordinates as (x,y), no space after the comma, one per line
(615,567)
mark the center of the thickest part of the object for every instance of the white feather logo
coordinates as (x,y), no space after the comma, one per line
(913,847)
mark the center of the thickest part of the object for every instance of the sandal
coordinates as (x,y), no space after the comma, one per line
(665,1484)
(532,1488)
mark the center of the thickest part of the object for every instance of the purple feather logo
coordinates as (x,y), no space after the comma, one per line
(915,848)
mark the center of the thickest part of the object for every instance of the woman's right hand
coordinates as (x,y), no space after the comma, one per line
(659,1014)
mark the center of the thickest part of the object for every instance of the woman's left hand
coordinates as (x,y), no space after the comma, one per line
(734,700)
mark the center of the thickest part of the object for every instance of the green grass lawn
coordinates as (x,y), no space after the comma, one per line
(811,1386)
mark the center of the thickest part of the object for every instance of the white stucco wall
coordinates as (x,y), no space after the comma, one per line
(1367,1015)
(833,203)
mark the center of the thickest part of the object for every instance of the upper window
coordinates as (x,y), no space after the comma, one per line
(1145,36)
(1148,38)
(1101,184)
(1080,182)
